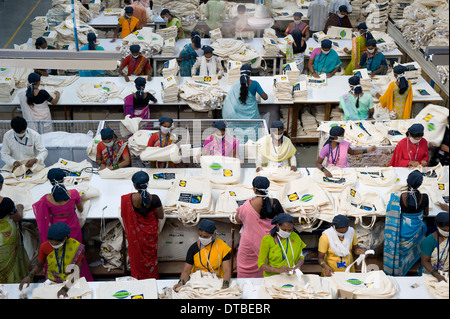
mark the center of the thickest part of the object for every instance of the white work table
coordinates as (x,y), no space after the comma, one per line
(111,191)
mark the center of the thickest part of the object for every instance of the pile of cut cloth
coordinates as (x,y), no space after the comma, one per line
(150,43)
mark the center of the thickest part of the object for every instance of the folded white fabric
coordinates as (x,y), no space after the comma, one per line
(438,289)
(88,92)
(202,96)
(168,47)
(170,153)
(292,72)
(221,171)
(270,46)
(434,119)
(377,176)
(233,71)
(278,176)
(309,123)
(214,35)
(168,33)
(232,197)
(79,290)
(137,143)
(439,192)
(151,43)
(7,89)
(339,33)
(342,178)
(171,68)
(282,88)
(300,91)
(169,92)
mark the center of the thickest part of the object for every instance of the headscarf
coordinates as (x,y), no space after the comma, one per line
(298,14)
(414,180)
(196,39)
(416,129)
(1,179)
(163,119)
(135,48)
(33,78)
(207,49)
(326,44)
(442,219)
(399,70)
(107,133)
(262,184)
(371,43)
(58,231)
(207,225)
(279,220)
(356,87)
(140,180)
(363,26)
(165,11)
(246,70)
(340,221)
(343,8)
(6,207)
(39,41)
(56,178)
(140,87)
(129,9)
(220,125)
(336,130)
(277,125)
(91,37)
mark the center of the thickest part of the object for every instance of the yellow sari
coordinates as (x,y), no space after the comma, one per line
(282,153)
(59,259)
(358,48)
(400,103)
(334,260)
(210,258)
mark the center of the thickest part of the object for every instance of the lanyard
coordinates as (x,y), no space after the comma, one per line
(26,141)
(340,21)
(334,160)
(223,146)
(133,64)
(62,258)
(165,140)
(442,255)
(284,253)
(110,154)
(407,150)
(208,264)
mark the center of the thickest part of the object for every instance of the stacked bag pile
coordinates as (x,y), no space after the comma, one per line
(169,90)
(233,71)
(309,123)
(168,33)
(186,11)
(168,47)
(282,88)
(7,89)
(378,15)
(150,43)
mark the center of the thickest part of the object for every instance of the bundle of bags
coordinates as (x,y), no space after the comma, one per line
(282,88)
(214,35)
(7,89)
(39,26)
(168,33)
(168,47)
(201,96)
(233,197)
(65,33)
(292,72)
(151,43)
(300,92)
(378,15)
(434,119)
(169,90)
(398,7)
(233,71)
(64,8)
(309,123)
(171,69)
(385,42)
(270,46)
(221,171)
(342,178)
(88,92)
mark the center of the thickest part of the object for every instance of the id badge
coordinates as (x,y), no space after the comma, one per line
(342,264)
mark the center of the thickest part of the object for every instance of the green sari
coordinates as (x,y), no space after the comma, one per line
(358,48)
(59,259)
(14,262)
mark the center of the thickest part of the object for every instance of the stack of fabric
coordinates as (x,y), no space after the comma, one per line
(282,43)
(7,89)
(65,32)
(282,89)
(269,46)
(414,71)
(38,27)
(270,33)
(64,8)
(233,71)
(202,97)
(336,114)
(88,92)
(318,110)
(171,68)
(214,35)
(284,118)
(300,91)
(385,42)
(309,123)
(168,47)
(398,7)
(169,92)
(168,33)
(150,43)
(248,56)
(356,16)
(292,72)
(378,15)
(224,48)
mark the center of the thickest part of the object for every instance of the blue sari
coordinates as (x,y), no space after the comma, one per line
(403,235)
(373,63)
(92,73)
(188,58)
(326,63)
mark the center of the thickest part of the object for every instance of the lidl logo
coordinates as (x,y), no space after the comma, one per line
(182,183)
(227,173)
(293,197)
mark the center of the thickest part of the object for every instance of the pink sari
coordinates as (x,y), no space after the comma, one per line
(223,147)
(144,113)
(252,233)
(47,214)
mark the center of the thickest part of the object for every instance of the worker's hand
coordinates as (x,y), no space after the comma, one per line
(177,287)
(346,50)
(329,75)
(327,173)
(113,40)
(20,207)
(328,271)
(424,163)
(282,269)
(316,75)
(149,78)
(57,93)
(127,79)
(62,292)
(24,281)
(258,169)
(219,77)
(440,278)
(413,164)
(103,166)
(293,168)
(378,95)
(30,163)
(443,206)
(16,164)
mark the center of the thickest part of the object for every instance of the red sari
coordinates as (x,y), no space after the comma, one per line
(405,151)
(142,237)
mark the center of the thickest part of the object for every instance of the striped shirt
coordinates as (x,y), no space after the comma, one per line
(317,14)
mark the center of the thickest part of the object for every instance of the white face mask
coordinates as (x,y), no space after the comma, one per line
(59,245)
(219,136)
(340,139)
(283,234)
(340,234)
(340,15)
(205,241)
(297,21)
(20,135)
(166,19)
(135,56)
(110,144)
(165,130)
(414,141)
(277,137)
(325,52)
(443,233)
(371,50)
(129,17)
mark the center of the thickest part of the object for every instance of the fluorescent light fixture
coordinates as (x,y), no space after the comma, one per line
(60,59)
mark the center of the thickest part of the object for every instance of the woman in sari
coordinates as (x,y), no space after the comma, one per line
(58,250)
(298,49)
(399,94)
(220,143)
(276,149)
(208,253)
(405,228)
(137,104)
(358,48)
(434,249)
(189,54)
(411,151)
(14,261)
(256,216)
(324,60)
(298,24)
(92,46)
(140,213)
(137,64)
(34,103)
(60,207)
(337,245)
(162,138)
(172,20)
(274,258)
(356,105)
(373,60)
(112,153)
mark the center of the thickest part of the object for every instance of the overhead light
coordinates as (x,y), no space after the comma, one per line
(60,59)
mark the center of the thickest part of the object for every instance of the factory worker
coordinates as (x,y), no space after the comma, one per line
(220,143)
(240,22)
(337,245)
(336,150)
(22,145)
(434,249)
(324,60)
(373,60)
(339,19)
(41,44)
(281,250)
(57,251)
(356,104)
(208,253)
(163,138)
(298,24)
(137,64)
(127,22)
(172,20)
(137,104)
(276,149)
(190,53)
(92,46)
(399,94)
(359,44)
(208,64)
(412,150)
(112,153)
